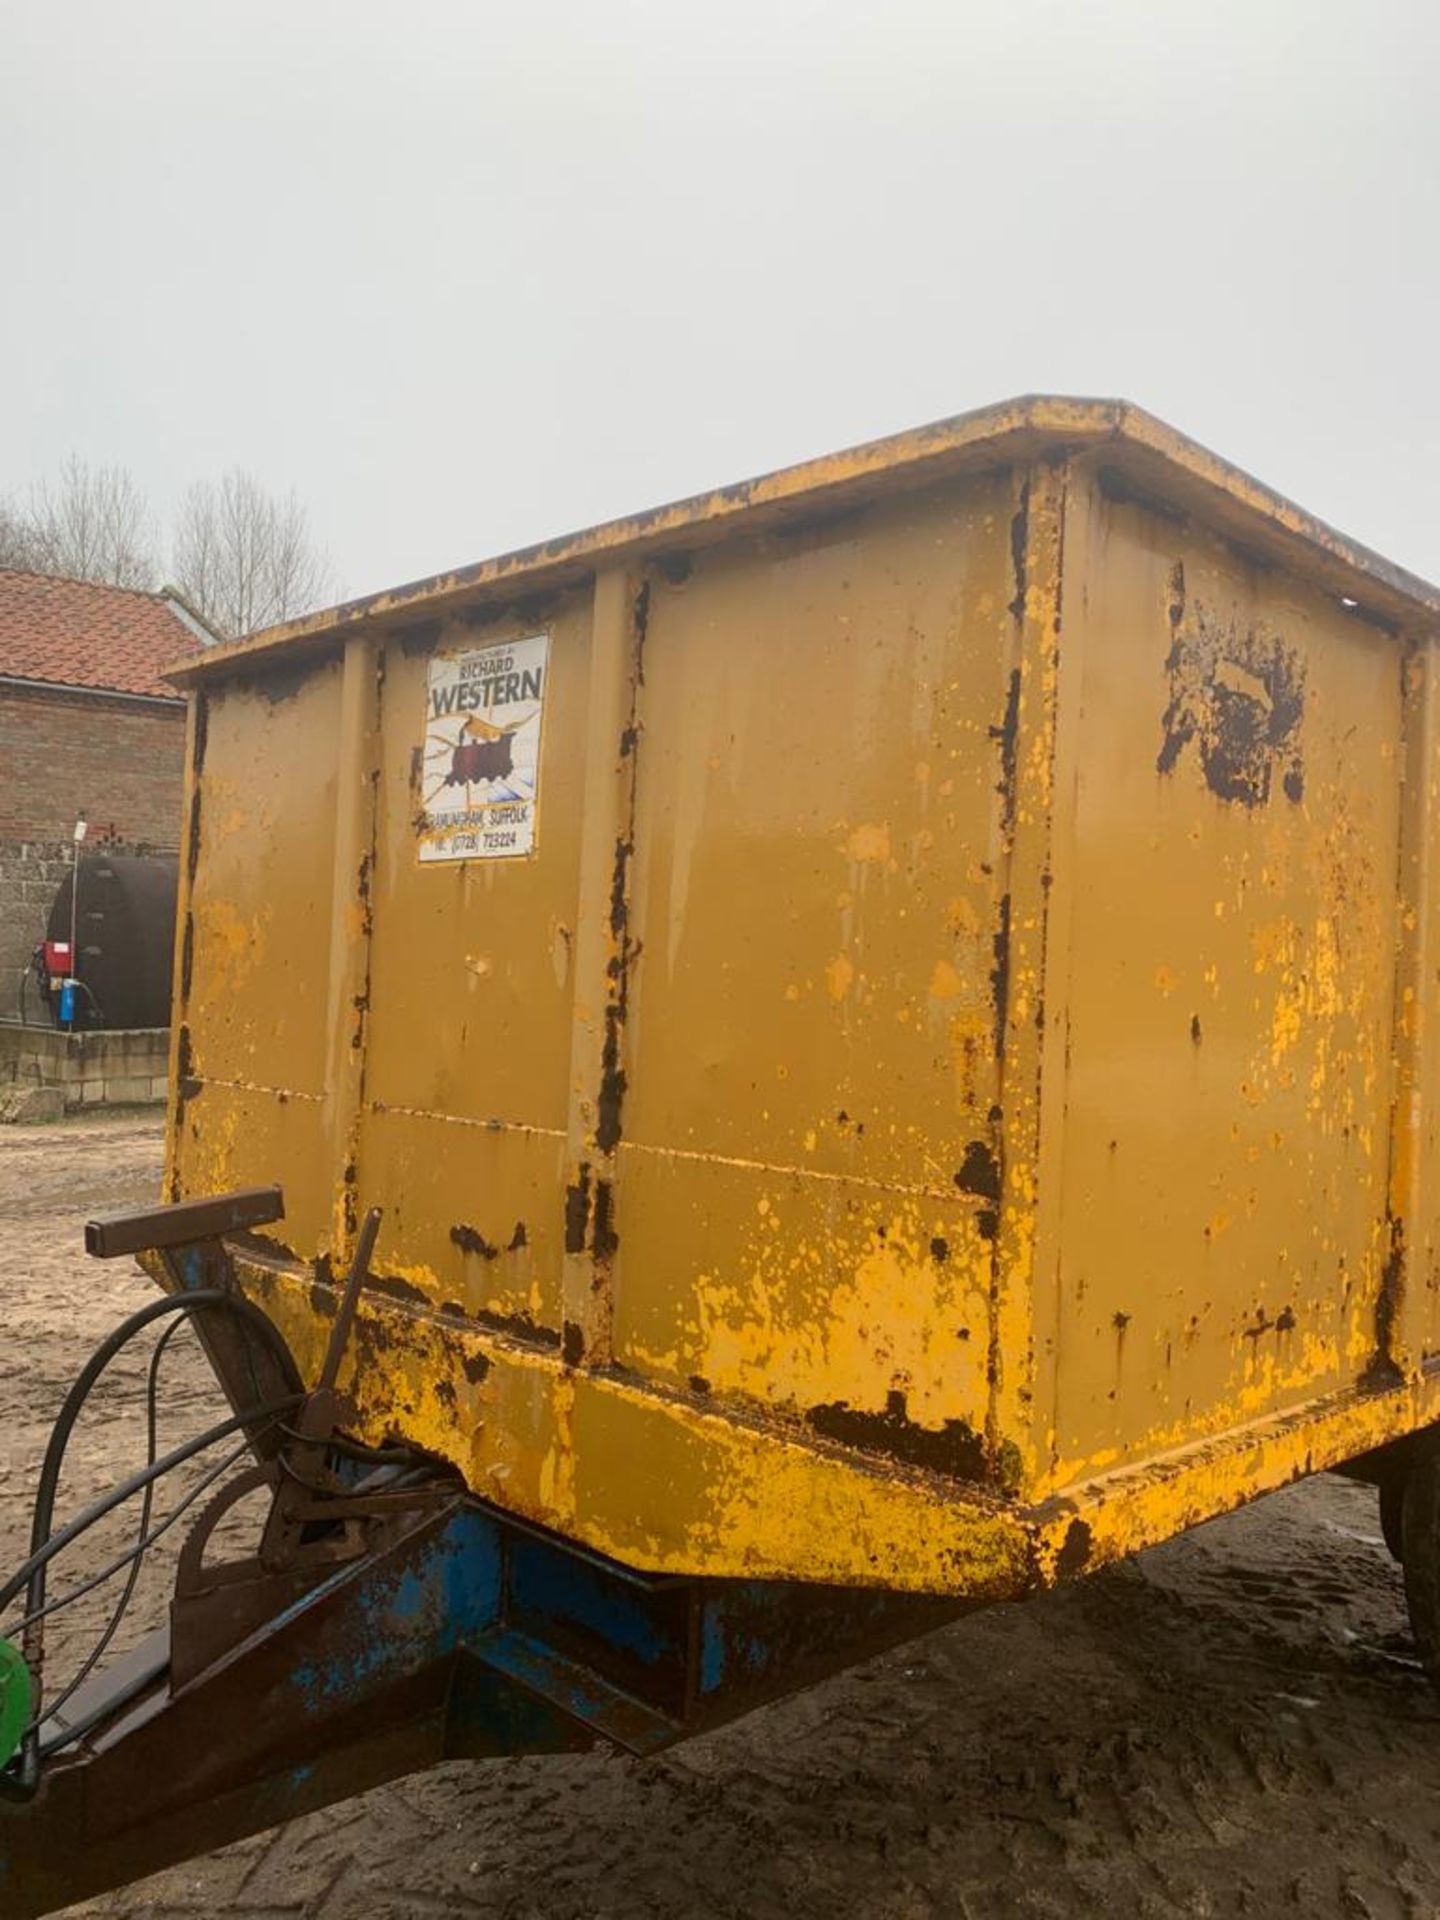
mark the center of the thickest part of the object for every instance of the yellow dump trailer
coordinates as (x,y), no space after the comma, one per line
(749,1078)
(883,1006)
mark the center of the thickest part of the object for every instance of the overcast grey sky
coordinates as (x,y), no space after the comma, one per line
(470,275)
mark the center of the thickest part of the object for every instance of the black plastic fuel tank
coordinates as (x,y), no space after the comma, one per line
(125,932)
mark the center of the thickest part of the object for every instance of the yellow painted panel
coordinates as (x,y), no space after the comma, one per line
(816,834)
(472,1214)
(470,968)
(1232,837)
(809,1293)
(667,1485)
(647,1478)
(470,1000)
(261,896)
(238,1137)
(811,1032)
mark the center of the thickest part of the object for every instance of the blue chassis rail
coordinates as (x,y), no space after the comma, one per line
(469,1635)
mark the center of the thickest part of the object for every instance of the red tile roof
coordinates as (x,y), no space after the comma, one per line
(76,633)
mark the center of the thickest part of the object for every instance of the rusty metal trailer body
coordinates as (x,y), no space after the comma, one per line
(885,1012)
(944,1088)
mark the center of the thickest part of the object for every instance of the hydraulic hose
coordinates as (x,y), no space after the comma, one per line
(44,1544)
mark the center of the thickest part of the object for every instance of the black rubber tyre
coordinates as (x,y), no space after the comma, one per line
(1421,1559)
(1392,1515)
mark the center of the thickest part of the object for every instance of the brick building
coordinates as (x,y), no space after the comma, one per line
(86,726)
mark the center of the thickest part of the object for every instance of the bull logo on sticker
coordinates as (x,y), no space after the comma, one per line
(480,767)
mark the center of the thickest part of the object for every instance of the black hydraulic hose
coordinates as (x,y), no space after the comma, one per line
(135,1557)
(151,1427)
(44,1545)
(32,1573)
(84,1383)
(32,1570)
(136,1551)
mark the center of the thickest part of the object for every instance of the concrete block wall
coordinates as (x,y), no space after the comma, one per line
(125,1068)
(30,875)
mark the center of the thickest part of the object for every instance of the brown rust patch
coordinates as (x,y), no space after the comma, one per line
(1019,541)
(577,1211)
(603,1237)
(187,960)
(516,1326)
(202,730)
(192,833)
(1237,696)
(1000,974)
(572,1344)
(397,1289)
(1383,1369)
(612,1079)
(954,1449)
(612,1073)
(979,1171)
(470,1240)
(1007,736)
(1284,1322)
(1176,608)
(188,1081)
(619,874)
(611,1095)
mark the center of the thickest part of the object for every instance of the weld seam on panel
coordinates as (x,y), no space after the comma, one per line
(255,1086)
(789,1172)
(465,1120)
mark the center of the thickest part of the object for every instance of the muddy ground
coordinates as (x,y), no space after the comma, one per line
(1231,1724)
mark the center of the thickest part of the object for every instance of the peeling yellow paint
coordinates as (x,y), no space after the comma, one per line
(945,982)
(869,843)
(839,976)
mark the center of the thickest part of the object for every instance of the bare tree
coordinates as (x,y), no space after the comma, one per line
(245,558)
(18,545)
(90,523)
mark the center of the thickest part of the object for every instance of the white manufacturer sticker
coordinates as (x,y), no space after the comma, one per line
(484,708)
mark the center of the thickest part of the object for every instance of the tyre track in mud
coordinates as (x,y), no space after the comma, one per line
(1230,1724)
